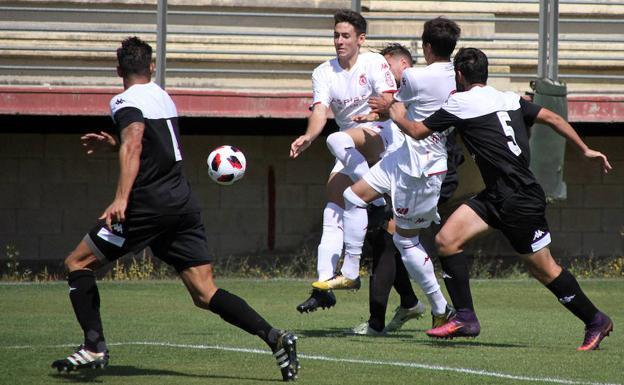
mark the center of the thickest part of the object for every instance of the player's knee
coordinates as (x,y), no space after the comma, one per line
(352,199)
(338,141)
(446,244)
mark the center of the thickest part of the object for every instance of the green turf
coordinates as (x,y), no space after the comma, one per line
(525,333)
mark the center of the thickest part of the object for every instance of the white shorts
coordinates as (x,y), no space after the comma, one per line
(392,138)
(414,199)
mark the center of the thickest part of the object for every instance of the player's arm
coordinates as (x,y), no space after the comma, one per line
(316,123)
(129,162)
(94,142)
(557,123)
(416,130)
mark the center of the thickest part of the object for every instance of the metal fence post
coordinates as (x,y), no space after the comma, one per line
(356,5)
(161,43)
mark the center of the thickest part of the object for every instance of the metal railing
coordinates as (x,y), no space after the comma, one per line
(184,30)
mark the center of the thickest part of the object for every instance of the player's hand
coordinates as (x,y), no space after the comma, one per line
(378,104)
(116,212)
(602,158)
(299,145)
(364,118)
(397,111)
(97,142)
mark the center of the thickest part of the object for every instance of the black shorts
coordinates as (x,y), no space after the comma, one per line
(521,217)
(178,240)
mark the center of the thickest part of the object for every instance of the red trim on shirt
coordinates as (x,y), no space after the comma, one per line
(390,91)
(437,173)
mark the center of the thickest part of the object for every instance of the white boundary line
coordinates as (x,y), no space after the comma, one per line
(476,372)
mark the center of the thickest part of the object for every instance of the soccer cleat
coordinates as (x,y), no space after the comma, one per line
(338,282)
(439,320)
(402,315)
(81,359)
(364,329)
(464,323)
(600,327)
(318,298)
(286,355)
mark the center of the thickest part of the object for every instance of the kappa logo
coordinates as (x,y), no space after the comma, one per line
(427,259)
(384,66)
(119,101)
(444,275)
(567,299)
(117,227)
(538,234)
(363,80)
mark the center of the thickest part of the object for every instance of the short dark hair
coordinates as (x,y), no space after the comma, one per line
(473,64)
(355,19)
(396,49)
(134,57)
(442,34)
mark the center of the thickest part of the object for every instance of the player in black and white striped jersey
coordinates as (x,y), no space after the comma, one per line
(153,206)
(493,126)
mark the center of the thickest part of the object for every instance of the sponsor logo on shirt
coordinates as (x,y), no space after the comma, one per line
(355,101)
(119,101)
(363,80)
(401,211)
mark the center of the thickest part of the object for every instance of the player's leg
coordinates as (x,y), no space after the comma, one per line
(85,300)
(235,310)
(332,241)
(355,222)
(569,293)
(463,225)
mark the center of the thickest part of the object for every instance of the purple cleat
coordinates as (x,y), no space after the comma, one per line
(463,324)
(595,331)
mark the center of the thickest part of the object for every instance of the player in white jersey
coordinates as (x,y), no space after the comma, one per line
(413,174)
(344,85)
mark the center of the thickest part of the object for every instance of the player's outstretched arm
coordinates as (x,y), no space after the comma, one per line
(316,123)
(416,130)
(559,124)
(94,142)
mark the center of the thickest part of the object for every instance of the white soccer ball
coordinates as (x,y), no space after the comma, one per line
(226,165)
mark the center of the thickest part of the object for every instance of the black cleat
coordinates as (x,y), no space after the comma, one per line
(82,359)
(318,298)
(286,355)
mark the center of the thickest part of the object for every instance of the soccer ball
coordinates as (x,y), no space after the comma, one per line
(226,165)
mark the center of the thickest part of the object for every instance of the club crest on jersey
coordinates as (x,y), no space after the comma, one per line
(363,80)
(389,79)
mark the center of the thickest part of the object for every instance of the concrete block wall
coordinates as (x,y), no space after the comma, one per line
(51,193)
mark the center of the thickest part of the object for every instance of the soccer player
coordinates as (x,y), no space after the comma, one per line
(413,174)
(493,126)
(153,206)
(344,85)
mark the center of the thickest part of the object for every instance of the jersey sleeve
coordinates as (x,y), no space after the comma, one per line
(529,111)
(320,89)
(408,90)
(441,120)
(126,116)
(382,78)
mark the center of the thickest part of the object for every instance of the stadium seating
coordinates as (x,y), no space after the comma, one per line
(273,46)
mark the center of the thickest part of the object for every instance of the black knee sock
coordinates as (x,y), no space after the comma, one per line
(234,310)
(85,299)
(570,295)
(381,281)
(457,280)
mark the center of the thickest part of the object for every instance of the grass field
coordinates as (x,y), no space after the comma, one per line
(156,336)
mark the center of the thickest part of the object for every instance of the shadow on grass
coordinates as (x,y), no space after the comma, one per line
(98,375)
(452,343)
(344,332)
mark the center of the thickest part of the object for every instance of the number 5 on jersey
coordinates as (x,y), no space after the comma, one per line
(504,119)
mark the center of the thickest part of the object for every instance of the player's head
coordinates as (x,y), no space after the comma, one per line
(439,37)
(399,58)
(349,33)
(471,67)
(134,58)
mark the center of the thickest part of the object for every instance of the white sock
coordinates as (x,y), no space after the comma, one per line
(341,145)
(355,221)
(420,268)
(330,247)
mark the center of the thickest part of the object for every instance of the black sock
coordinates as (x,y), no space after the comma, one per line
(380,280)
(85,299)
(457,280)
(567,290)
(234,310)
